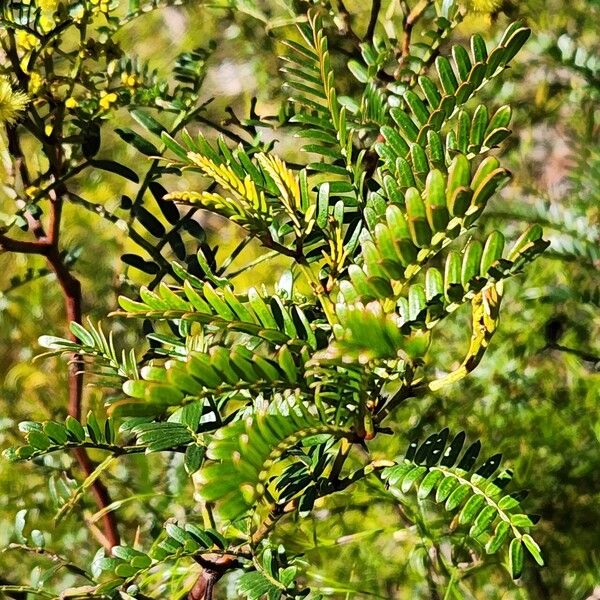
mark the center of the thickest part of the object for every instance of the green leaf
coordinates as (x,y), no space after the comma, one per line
(411,477)
(533,549)
(430,91)
(435,198)
(471,262)
(515,43)
(445,488)
(38,440)
(428,484)
(483,521)
(500,536)
(462,61)
(163,394)
(148,122)
(194,455)
(115,167)
(125,552)
(516,558)
(494,246)
(125,570)
(408,129)
(199,535)
(86,338)
(177,533)
(521,520)
(75,428)
(457,496)
(56,432)
(478,126)
(471,509)
(417,107)
(478,49)
(446,75)
(137,141)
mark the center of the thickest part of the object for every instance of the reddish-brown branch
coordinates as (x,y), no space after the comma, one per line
(212,570)
(14,148)
(22,246)
(408,22)
(71,288)
(47,244)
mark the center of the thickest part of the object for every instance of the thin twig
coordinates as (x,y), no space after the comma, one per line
(405,392)
(375,8)
(408,22)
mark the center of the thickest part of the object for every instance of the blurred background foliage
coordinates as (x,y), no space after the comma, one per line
(535,395)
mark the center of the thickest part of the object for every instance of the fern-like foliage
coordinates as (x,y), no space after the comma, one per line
(239,483)
(311,82)
(274,320)
(444,471)
(262,195)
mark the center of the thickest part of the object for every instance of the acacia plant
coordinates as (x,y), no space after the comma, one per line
(276,398)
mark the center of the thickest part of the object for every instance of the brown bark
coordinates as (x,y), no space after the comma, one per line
(213,568)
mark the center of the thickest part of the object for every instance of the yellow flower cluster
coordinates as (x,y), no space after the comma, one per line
(48,5)
(101,6)
(11,102)
(130,80)
(35,83)
(25,40)
(107,100)
(484,6)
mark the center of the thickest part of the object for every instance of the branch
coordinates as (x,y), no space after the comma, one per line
(71,288)
(23,247)
(587,356)
(404,393)
(408,22)
(375,8)
(213,568)
(47,244)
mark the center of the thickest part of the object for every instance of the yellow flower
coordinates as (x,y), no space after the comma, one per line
(129,80)
(48,5)
(484,6)
(107,99)
(103,6)
(71,102)
(25,40)
(31,191)
(35,83)
(11,102)
(46,23)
